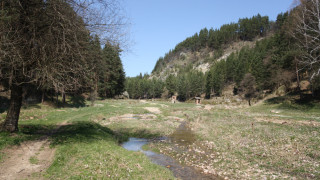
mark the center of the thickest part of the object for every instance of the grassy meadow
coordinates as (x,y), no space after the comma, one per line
(277,139)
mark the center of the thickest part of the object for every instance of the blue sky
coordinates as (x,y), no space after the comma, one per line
(159,25)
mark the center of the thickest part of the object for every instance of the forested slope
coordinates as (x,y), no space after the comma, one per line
(255,49)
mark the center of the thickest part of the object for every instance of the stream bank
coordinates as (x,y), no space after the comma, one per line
(182,137)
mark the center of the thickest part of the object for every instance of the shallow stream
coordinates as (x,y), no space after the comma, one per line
(184,136)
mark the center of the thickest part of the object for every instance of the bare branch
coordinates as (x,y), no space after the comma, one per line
(306,31)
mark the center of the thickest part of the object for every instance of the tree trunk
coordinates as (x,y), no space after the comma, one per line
(94,91)
(52,96)
(312,88)
(11,122)
(23,95)
(298,80)
(249,102)
(63,98)
(42,98)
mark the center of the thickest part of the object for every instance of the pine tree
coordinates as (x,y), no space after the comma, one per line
(171,84)
(183,88)
(112,76)
(203,37)
(209,84)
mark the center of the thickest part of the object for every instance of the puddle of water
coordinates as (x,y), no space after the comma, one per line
(179,171)
(183,135)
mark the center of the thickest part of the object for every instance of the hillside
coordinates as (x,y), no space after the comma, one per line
(254,55)
(208,46)
(200,60)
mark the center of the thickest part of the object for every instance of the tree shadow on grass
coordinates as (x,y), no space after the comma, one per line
(137,133)
(31,106)
(306,103)
(77,101)
(82,132)
(275,100)
(74,101)
(26,133)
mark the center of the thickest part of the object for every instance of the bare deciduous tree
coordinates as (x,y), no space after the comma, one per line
(248,87)
(306,30)
(104,18)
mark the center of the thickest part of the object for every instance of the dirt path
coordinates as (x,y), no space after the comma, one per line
(28,158)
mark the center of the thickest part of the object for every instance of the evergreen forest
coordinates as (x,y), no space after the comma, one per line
(274,61)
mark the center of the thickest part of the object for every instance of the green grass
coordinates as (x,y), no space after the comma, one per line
(88,150)
(239,143)
(84,148)
(245,147)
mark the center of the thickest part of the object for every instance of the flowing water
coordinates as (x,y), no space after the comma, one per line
(184,136)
